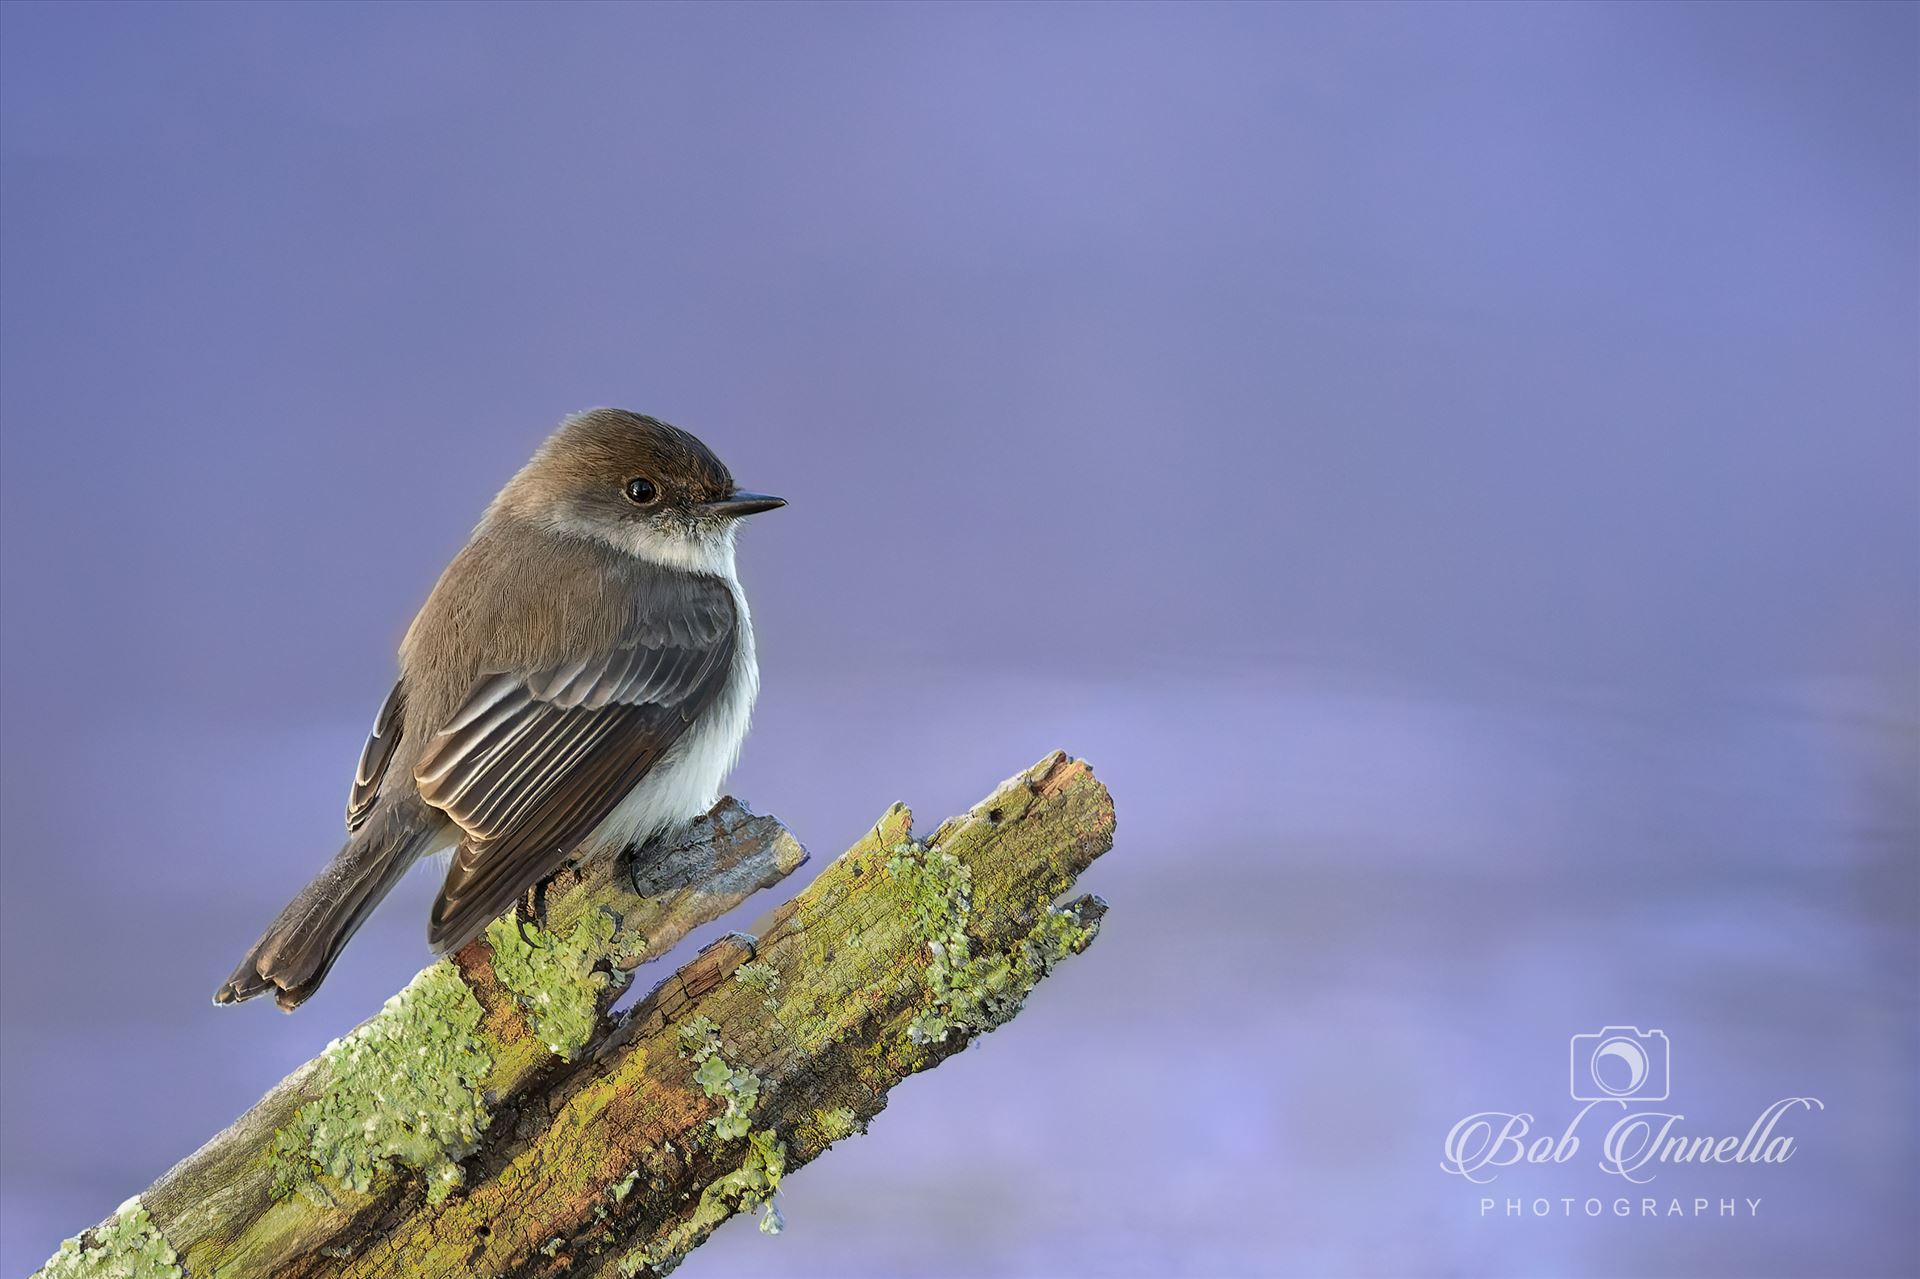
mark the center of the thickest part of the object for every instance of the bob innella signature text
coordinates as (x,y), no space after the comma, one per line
(1482,1144)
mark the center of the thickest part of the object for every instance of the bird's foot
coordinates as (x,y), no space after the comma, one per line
(532,909)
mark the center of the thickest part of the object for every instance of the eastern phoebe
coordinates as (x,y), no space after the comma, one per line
(579,679)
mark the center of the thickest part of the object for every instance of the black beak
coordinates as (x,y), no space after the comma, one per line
(740,502)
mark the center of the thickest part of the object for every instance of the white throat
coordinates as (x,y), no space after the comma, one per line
(690,551)
(686,550)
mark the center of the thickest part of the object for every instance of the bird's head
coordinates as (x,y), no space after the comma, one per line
(636,483)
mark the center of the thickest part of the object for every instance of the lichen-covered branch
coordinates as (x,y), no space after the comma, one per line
(495,1120)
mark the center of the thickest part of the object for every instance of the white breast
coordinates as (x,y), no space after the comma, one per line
(687,780)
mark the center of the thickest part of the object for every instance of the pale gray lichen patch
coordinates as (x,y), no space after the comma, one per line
(403,1089)
(763,977)
(970,994)
(699,1037)
(739,1088)
(129,1246)
(560,982)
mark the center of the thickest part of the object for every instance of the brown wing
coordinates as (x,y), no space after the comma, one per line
(532,763)
(375,756)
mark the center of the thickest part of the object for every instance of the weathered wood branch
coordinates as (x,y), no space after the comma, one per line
(495,1120)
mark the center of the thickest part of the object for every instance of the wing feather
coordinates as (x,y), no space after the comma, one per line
(532,762)
(375,756)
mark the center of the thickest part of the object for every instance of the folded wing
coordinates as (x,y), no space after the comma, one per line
(532,762)
(375,756)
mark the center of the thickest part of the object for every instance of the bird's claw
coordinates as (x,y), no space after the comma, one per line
(532,909)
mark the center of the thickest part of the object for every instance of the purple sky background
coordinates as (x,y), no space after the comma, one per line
(1453,470)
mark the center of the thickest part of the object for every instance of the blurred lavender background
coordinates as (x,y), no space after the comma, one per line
(1453,470)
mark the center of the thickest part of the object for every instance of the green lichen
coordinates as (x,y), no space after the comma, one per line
(738,1088)
(404,1089)
(834,1125)
(559,981)
(650,1257)
(763,977)
(699,1037)
(970,994)
(752,1185)
(129,1246)
(813,1029)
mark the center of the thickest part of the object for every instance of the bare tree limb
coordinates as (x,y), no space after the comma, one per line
(494,1120)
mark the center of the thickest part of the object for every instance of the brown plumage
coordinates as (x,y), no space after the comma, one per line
(570,650)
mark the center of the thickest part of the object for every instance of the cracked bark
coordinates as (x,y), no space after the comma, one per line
(622,1155)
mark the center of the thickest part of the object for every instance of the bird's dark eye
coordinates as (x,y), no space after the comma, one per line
(640,492)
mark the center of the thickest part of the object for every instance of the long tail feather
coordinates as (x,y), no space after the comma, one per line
(292,957)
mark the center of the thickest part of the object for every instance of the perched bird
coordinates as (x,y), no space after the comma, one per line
(580,679)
